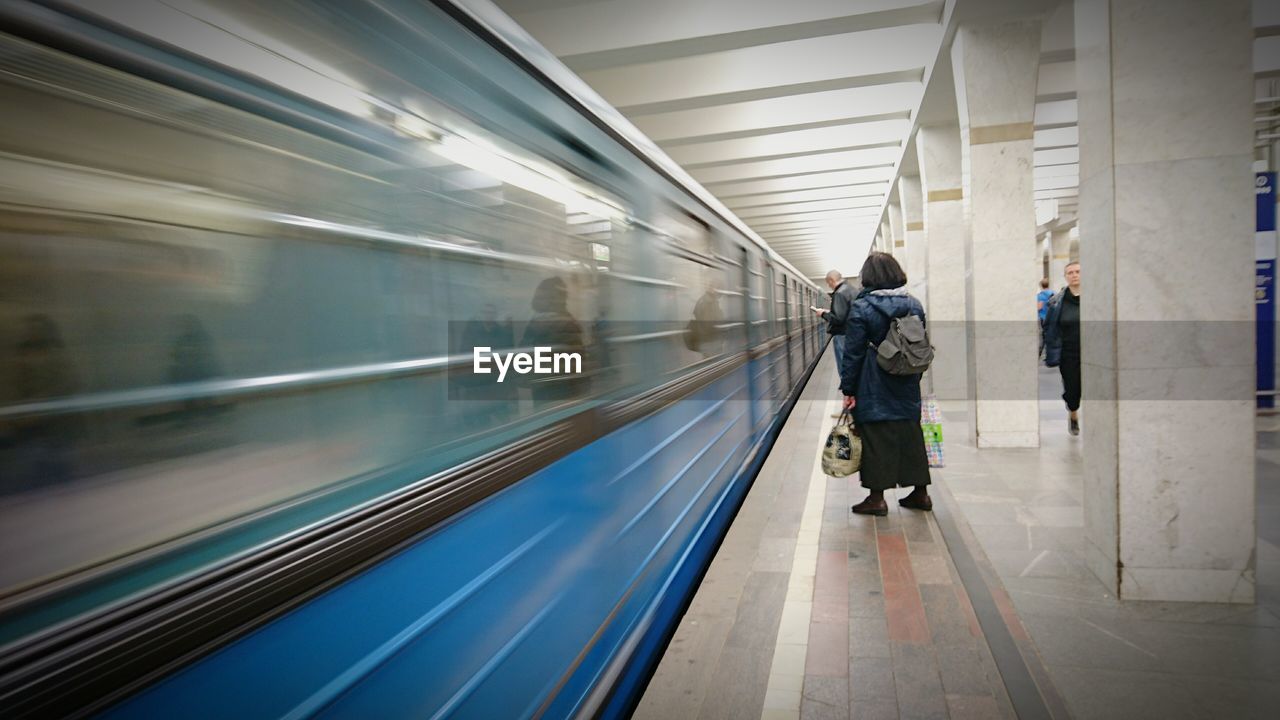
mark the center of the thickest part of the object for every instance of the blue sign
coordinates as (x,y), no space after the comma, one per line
(1265,190)
(1265,285)
(1265,295)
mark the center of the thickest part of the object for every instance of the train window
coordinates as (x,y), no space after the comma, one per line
(771,293)
(757,293)
(679,318)
(780,305)
(738,325)
(732,296)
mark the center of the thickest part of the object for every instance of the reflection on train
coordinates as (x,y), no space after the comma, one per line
(240,246)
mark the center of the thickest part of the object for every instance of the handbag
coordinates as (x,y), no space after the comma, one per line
(842,455)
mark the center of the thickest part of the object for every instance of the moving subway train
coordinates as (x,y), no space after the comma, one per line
(247,250)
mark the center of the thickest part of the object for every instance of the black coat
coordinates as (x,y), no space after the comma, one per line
(1053,331)
(841,299)
(880,396)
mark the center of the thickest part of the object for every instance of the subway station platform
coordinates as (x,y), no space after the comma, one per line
(981,609)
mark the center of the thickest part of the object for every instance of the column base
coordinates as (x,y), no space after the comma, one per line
(1187,585)
(1102,566)
(1009,440)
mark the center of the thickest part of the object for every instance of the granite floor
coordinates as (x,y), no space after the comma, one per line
(1113,659)
(809,611)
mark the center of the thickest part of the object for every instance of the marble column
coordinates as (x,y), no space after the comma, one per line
(898,248)
(996,68)
(1166,112)
(913,229)
(938,152)
(1059,255)
(886,235)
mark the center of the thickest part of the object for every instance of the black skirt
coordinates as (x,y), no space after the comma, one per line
(893,454)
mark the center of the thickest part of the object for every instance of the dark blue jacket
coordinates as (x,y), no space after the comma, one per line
(1052,334)
(880,396)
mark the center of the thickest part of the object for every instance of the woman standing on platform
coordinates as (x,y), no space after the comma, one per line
(1062,342)
(886,408)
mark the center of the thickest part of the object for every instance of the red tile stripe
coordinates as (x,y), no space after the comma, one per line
(828,652)
(904,609)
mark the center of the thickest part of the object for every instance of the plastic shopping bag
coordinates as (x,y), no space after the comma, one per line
(931,425)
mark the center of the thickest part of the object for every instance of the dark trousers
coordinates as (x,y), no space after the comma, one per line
(837,346)
(1069,368)
(893,455)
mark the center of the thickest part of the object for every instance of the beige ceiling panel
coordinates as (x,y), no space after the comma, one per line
(802,182)
(779,64)
(759,115)
(572,28)
(1058,156)
(1057,138)
(1057,183)
(849,225)
(806,207)
(1057,80)
(876,190)
(836,214)
(849,159)
(844,231)
(1064,170)
(814,239)
(794,114)
(1057,112)
(776,225)
(847,136)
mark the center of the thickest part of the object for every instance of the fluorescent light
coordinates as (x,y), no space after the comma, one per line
(487,159)
(219,36)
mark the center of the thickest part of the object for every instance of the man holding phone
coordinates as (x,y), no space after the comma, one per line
(842,296)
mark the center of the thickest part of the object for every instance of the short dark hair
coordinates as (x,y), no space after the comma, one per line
(882,272)
(1044,283)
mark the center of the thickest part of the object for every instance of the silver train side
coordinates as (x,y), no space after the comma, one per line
(241,245)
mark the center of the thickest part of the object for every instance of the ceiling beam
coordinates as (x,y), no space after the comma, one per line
(693,102)
(624,53)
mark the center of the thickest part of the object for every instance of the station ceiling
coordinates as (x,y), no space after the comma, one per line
(794,114)
(799,116)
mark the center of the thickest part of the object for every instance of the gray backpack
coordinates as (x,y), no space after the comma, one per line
(906,349)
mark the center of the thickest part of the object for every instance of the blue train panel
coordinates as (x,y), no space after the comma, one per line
(516,608)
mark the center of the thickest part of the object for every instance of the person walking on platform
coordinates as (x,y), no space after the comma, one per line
(1042,308)
(886,408)
(842,296)
(1062,342)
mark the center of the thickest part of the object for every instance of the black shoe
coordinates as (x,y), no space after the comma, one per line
(867,507)
(913,502)
(1073,426)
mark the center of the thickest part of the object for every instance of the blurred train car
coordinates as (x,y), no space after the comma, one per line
(245,249)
